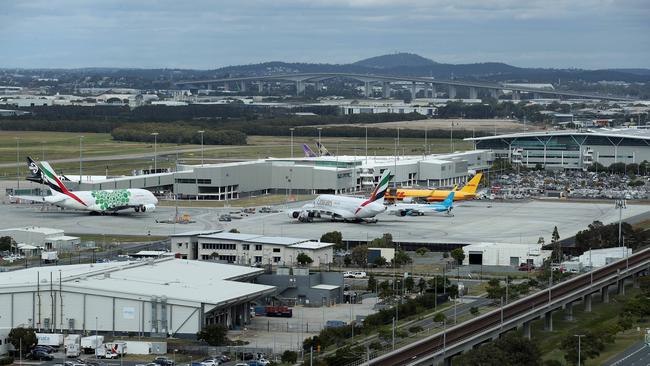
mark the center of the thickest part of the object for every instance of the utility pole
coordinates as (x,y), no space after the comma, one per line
(81,149)
(291,129)
(319,143)
(18,161)
(579,337)
(155,153)
(620,204)
(201,132)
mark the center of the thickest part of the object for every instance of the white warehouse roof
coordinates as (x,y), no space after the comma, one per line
(181,281)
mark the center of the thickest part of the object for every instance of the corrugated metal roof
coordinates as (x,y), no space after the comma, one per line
(278,240)
(636,133)
(230,236)
(312,245)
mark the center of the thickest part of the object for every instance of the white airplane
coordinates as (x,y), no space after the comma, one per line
(97,202)
(346,208)
(420,209)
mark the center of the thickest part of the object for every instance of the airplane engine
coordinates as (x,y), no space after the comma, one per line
(401,213)
(294,214)
(148,207)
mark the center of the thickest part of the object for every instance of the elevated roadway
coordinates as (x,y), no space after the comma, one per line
(385,80)
(440,348)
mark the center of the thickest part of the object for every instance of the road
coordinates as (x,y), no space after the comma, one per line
(637,355)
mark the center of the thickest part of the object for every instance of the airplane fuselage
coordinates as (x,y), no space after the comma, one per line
(105,200)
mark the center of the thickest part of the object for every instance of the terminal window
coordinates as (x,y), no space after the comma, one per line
(276,250)
(258,247)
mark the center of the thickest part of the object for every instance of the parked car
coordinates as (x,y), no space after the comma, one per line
(163,361)
(526,267)
(266,209)
(224,358)
(359,275)
(225,218)
(48,349)
(40,355)
(348,274)
(211,362)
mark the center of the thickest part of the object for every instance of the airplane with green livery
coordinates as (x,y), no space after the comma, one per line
(102,202)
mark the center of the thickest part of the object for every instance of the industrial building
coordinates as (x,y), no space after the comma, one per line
(601,257)
(42,238)
(319,175)
(249,249)
(502,254)
(299,286)
(569,149)
(154,297)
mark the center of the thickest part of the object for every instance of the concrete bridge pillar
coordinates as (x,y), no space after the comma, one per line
(242,86)
(260,87)
(319,86)
(635,280)
(414,90)
(587,301)
(494,93)
(300,87)
(568,311)
(385,89)
(447,361)
(515,95)
(604,294)
(621,286)
(526,329)
(367,89)
(537,96)
(548,321)
(433,90)
(452,92)
(473,93)
(226,86)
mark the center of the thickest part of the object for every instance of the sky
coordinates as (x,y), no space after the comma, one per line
(206,34)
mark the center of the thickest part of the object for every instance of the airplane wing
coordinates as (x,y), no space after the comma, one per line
(41,199)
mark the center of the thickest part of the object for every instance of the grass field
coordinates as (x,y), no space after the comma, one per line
(63,145)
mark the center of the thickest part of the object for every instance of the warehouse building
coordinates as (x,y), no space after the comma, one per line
(569,149)
(43,238)
(156,297)
(500,254)
(249,249)
(319,175)
(601,257)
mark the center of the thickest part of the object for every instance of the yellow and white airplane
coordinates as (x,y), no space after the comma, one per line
(468,192)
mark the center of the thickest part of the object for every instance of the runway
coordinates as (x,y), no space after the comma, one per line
(476,221)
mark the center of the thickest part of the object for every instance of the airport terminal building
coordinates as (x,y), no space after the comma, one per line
(319,175)
(569,149)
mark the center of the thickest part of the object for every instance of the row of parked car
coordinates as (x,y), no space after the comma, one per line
(350,274)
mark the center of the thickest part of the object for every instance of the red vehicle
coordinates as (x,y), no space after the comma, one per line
(526,267)
(280,311)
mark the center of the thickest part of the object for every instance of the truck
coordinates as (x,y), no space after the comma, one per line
(145,348)
(72,344)
(281,311)
(49,257)
(111,350)
(90,344)
(50,339)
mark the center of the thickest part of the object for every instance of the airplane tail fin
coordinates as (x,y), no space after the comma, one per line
(309,153)
(322,150)
(449,201)
(380,190)
(35,173)
(50,178)
(472,185)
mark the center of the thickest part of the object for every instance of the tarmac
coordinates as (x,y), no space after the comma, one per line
(475,221)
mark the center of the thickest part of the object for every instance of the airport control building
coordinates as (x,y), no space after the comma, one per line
(318,175)
(569,149)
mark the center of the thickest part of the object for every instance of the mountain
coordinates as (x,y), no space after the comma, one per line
(395,60)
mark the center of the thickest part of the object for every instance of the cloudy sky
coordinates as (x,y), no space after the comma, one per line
(213,33)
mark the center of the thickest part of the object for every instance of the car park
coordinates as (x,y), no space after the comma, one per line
(211,362)
(163,361)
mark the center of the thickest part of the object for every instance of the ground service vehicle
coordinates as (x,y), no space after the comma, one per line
(279,311)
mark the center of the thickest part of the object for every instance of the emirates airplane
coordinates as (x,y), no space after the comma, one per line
(96,202)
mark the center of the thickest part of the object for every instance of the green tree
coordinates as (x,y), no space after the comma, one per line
(557,249)
(360,255)
(409,283)
(372,283)
(422,251)
(333,237)
(590,347)
(644,285)
(304,259)
(401,258)
(474,310)
(347,260)
(23,336)
(494,289)
(422,284)
(380,261)
(459,255)
(290,357)
(439,317)
(5,243)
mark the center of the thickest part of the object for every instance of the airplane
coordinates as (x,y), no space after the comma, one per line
(309,153)
(346,208)
(96,202)
(468,192)
(322,150)
(419,209)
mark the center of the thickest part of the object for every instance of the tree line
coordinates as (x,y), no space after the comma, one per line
(177,134)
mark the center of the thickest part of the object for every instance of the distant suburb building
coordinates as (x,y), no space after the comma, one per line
(42,237)
(569,149)
(249,249)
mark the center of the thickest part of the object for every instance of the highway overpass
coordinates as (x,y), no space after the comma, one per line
(429,85)
(440,348)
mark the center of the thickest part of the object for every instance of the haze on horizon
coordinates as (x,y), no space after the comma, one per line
(204,34)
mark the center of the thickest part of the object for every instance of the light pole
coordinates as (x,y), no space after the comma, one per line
(81,155)
(43,150)
(579,337)
(367,145)
(319,143)
(201,132)
(620,204)
(291,129)
(18,161)
(95,342)
(155,149)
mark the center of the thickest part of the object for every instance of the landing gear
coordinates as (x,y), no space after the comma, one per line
(137,208)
